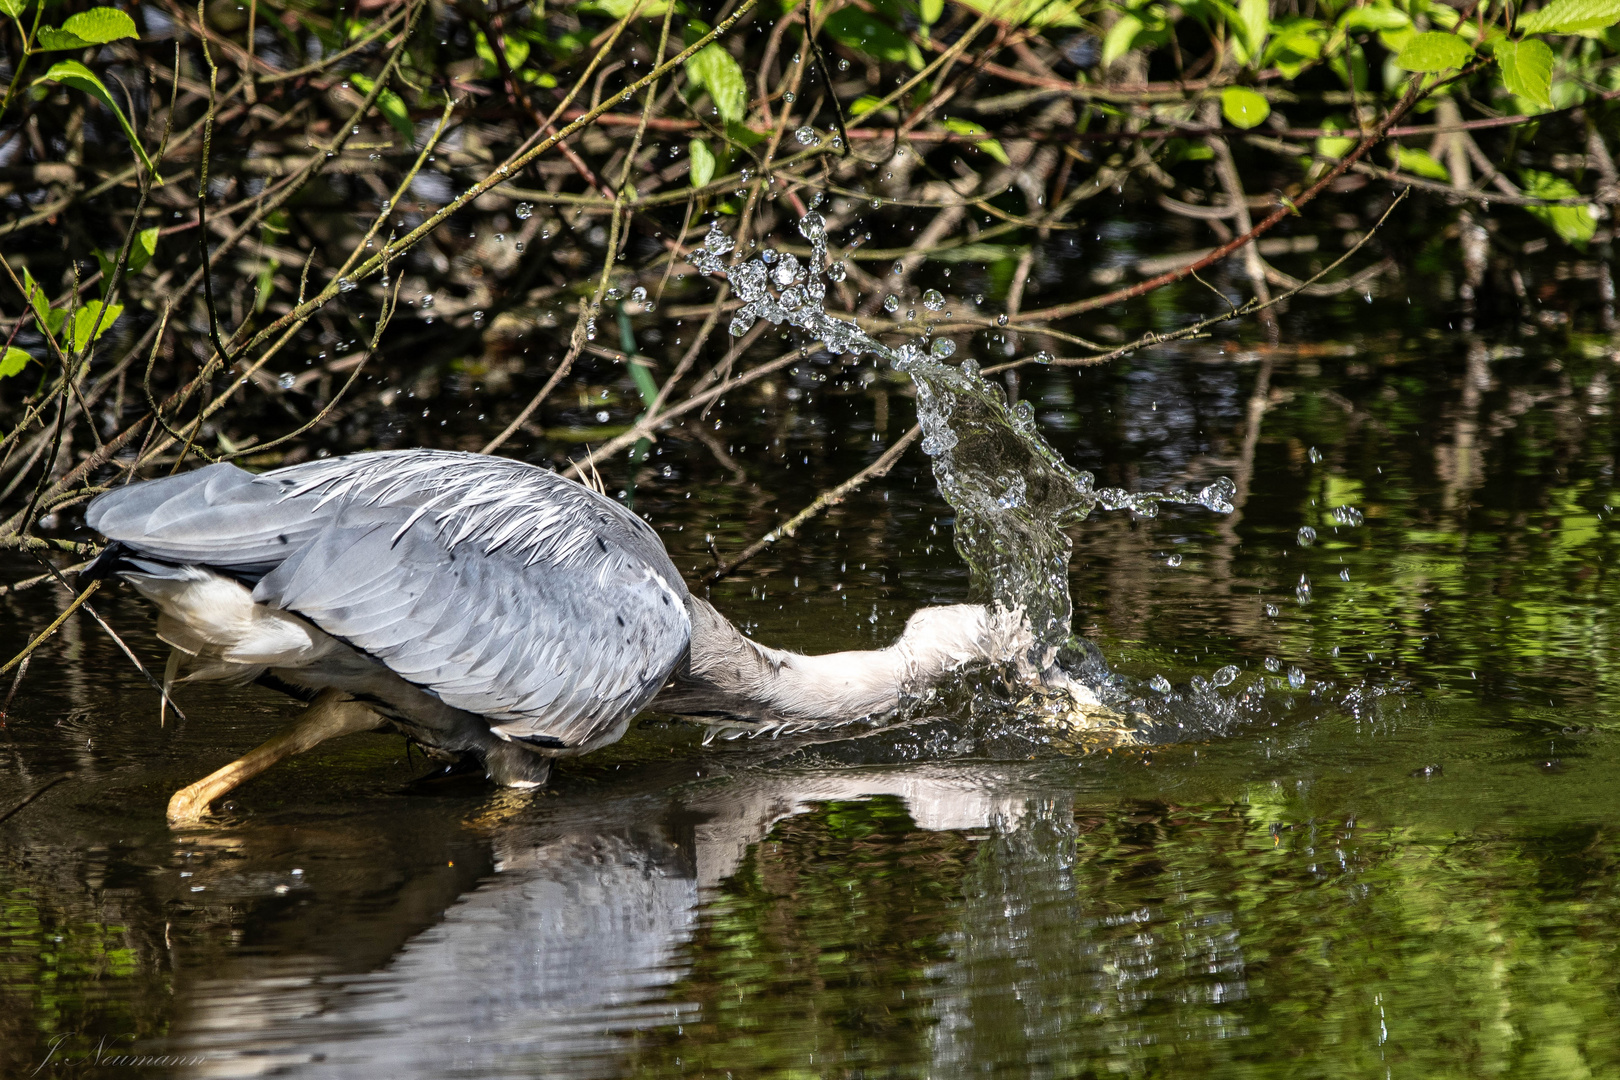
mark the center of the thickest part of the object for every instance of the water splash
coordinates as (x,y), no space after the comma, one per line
(1012,492)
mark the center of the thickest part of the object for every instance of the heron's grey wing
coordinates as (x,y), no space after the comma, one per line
(499,586)
(218,516)
(557,653)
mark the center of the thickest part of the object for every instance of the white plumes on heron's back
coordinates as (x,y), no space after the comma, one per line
(498,503)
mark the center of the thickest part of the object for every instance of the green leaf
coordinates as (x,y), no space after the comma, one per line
(13,362)
(1574,224)
(104,259)
(866,103)
(1119,39)
(1374,17)
(744,135)
(1571,16)
(1179,150)
(867,33)
(391,105)
(1035,14)
(516,50)
(50,39)
(1294,44)
(990,146)
(265,286)
(1434,51)
(716,71)
(702,163)
(1527,70)
(14,8)
(1395,40)
(141,252)
(930,11)
(618,9)
(85,318)
(1254,19)
(71,73)
(36,296)
(50,319)
(101,25)
(1418,163)
(1243,107)
(1334,146)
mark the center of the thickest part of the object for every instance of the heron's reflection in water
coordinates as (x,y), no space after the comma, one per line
(573,943)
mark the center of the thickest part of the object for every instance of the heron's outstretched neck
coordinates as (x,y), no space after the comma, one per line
(729,675)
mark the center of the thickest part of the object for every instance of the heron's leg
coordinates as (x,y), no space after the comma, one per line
(331,714)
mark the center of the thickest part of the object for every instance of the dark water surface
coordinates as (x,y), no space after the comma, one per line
(1390,847)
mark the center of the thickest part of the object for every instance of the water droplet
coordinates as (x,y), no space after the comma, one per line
(943,348)
(1296,678)
(1042,357)
(933,300)
(478,317)
(1307,536)
(843,65)
(638,294)
(898,268)
(615,293)
(717,242)
(1174,560)
(1273,664)
(345,285)
(1346,515)
(1001,320)
(876,203)
(891,303)
(287,380)
(1344,575)
(1271,611)
(789,97)
(500,238)
(1226,676)
(837,271)
(1302,591)
(524,211)
(1315,455)
(1161,684)
(426,301)
(806,135)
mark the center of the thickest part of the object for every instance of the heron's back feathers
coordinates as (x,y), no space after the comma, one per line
(502,589)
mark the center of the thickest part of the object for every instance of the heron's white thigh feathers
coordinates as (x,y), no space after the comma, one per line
(214,617)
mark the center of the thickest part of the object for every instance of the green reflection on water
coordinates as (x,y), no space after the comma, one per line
(1156,939)
(817,948)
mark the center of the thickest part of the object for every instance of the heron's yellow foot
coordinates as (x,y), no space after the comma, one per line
(188,806)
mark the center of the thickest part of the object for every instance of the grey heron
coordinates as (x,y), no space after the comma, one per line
(479,605)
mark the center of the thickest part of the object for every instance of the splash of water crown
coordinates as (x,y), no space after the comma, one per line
(1013,493)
